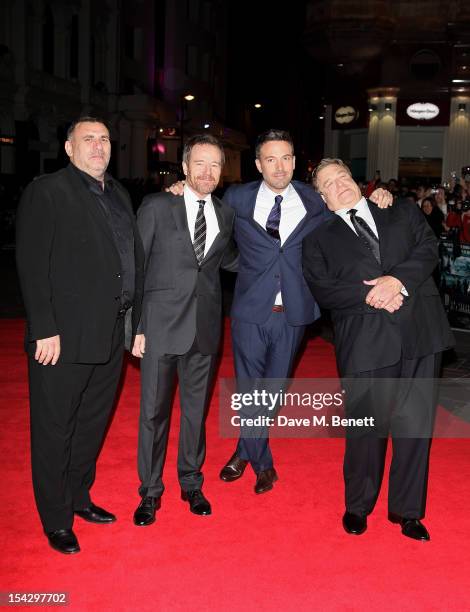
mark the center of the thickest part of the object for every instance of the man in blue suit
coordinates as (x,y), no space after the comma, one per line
(272,304)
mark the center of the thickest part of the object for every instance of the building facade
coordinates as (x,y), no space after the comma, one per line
(398,84)
(131,63)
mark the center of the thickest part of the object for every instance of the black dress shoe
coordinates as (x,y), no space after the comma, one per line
(354,524)
(94,514)
(145,513)
(233,469)
(411,528)
(64,541)
(198,504)
(265,480)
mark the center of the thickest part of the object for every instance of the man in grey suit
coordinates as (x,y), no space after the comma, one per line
(187,239)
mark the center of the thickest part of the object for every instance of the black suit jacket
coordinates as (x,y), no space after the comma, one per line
(69,267)
(335,263)
(182,300)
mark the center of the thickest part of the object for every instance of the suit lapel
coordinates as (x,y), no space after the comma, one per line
(178,209)
(222,229)
(348,237)
(305,219)
(251,204)
(381,218)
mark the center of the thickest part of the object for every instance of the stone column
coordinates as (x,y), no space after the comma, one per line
(457,138)
(382,141)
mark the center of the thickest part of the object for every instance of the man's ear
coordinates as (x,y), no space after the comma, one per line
(293,162)
(185,168)
(68,148)
(258,165)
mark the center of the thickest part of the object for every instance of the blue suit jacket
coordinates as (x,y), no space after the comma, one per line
(263,263)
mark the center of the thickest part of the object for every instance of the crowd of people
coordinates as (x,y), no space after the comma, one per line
(445,206)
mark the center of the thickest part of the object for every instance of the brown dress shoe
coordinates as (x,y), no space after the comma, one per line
(265,480)
(233,469)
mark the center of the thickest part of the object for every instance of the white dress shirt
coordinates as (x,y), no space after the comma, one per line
(363,211)
(292,213)
(192,206)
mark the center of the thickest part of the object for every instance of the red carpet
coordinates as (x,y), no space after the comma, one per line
(284,550)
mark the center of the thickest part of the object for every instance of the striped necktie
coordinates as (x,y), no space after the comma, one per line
(274,219)
(199,243)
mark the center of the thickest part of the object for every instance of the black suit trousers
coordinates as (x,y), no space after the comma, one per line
(405,406)
(70,406)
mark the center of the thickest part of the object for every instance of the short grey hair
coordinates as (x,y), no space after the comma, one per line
(202,139)
(328,161)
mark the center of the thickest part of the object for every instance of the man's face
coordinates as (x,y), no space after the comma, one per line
(420,192)
(89,148)
(203,169)
(276,163)
(338,188)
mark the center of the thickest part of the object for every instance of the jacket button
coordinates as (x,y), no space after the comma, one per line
(118,275)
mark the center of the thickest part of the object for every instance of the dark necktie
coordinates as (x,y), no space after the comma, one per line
(365,234)
(199,243)
(272,224)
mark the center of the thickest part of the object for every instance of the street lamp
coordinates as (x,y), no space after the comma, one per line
(184,98)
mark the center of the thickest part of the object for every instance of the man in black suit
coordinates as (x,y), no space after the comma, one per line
(80,264)
(187,239)
(372,267)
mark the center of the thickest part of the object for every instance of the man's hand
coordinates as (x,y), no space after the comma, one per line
(381,197)
(395,304)
(176,188)
(48,350)
(385,289)
(138,349)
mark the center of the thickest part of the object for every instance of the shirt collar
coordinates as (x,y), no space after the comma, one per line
(91,181)
(361,206)
(191,197)
(269,192)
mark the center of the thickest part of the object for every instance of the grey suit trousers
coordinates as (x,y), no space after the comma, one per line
(158,378)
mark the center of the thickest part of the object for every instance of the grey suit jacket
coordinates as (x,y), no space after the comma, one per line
(182,300)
